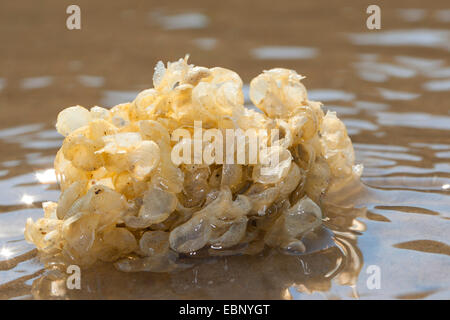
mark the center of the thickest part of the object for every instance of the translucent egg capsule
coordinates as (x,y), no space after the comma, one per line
(187,167)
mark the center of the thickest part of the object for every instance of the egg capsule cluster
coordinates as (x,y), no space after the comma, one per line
(124,199)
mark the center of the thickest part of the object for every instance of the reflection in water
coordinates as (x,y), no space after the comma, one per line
(27,199)
(91,81)
(330,95)
(46,176)
(284,53)
(416,37)
(36,82)
(414,120)
(190,20)
(443,85)
(380,72)
(397,95)
(5,253)
(266,276)
(206,43)
(443,15)
(412,15)
(355,126)
(425,66)
(11,133)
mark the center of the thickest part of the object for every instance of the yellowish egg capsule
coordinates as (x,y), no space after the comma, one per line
(245,178)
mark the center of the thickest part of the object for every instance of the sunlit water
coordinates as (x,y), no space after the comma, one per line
(391,88)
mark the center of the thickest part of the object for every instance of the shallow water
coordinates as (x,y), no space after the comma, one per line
(390,86)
